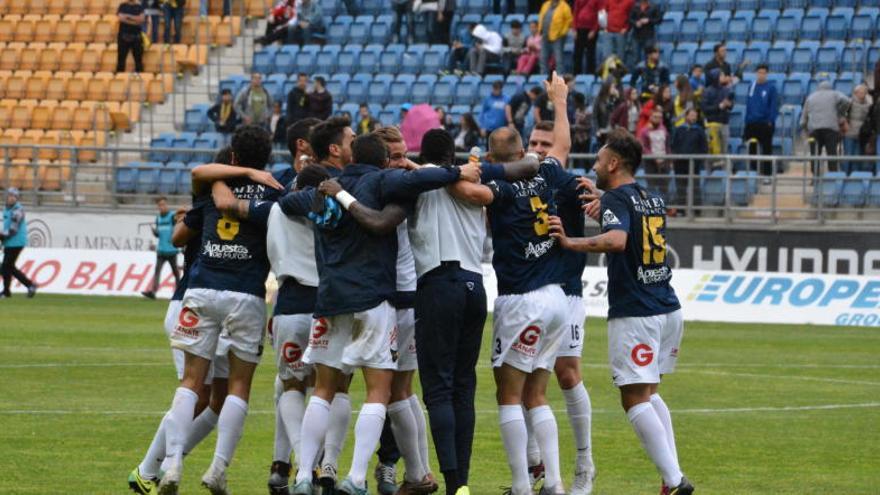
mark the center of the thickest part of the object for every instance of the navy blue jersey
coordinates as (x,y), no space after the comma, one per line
(233,252)
(572,216)
(286,177)
(638,278)
(358,270)
(526,257)
(295,298)
(193,219)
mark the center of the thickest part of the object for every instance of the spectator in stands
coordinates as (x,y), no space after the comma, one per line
(131,16)
(445,119)
(603,106)
(626,113)
(278,124)
(15,238)
(223,114)
(427,9)
(487,49)
(173,10)
(493,113)
(689,138)
(518,108)
(859,109)
(719,61)
(153,11)
(458,55)
(554,22)
(869,137)
(366,123)
(253,103)
(662,99)
(581,126)
(279,15)
(404,109)
(762,107)
(877,81)
(509,7)
(298,100)
(717,104)
(586,25)
(643,20)
(823,116)
(403,10)
(526,63)
(468,133)
(614,20)
(655,141)
(320,100)
(650,74)
(445,15)
(514,45)
(697,80)
(308,21)
(684,100)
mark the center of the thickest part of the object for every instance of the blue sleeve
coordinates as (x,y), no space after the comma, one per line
(502,191)
(400,185)
(614,213)
(774,104)
(565,183)
(194,218)
(491,171)
(258,212)
(297,203)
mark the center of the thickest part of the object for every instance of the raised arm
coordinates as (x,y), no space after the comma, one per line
(226,202)
(204,175)
(557,91)
(403,186)
(374,221)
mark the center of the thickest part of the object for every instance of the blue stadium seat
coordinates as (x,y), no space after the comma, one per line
(802,56)
(668,29)
(444,90)
(356,90)
(411,63)
(728,5)
(737,120)
(147,179)
(208,141)
(682,58)
(677,5)
(794,89)
(713,188)
(828,56)
(863,27)
(691,28)
(169,177)
(762,28)
(787,28)
(747,5)
(389,61)
(164,140)
(337,33)
(493,22)
(756,52)
(700,5)
(284,59)
(741,92)
(196,118)
(435,59)
(466,91)
(714,29)
(855,189)
(422,91)
(874,194)
(326,59)
(475,6)
(359,32)
(740,194)
(264,60)
(837,27)
(183,140)
(738,29)
(126,177)
(853,58)
(304,62)
(812,27)
(779,55)
(747,15)
(828,188)
(395,92)
(368,62)
(844,84)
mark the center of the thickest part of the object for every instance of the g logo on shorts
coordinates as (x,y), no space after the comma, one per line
(292,352)
(530,335)
(642,354)
(188,318)
(321,328)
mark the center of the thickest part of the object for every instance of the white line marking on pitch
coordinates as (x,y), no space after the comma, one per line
(788,377)
(80,365)
(818,407)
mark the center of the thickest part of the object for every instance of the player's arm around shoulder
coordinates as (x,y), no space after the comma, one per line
(204,175)
(378,222)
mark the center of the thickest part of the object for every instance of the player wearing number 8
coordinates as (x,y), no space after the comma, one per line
(645,324)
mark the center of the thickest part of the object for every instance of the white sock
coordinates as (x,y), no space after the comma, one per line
(291,408)
(406,433)
(650,431)
(202,426)
(281,443)
(179,423)
(665,418)
(515,437)
(340,417)
(230,426)
(580,411)
(533,452)
(422,425)
(149,467)
(367,431)
(314,427)
(547,435)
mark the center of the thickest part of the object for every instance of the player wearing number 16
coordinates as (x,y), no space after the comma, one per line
(645,323)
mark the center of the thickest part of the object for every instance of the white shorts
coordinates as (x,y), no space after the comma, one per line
(208,313)
(358,340)
(171,317)
(405,343)
(290,337)
(640,349)
(528,328)
(573,337)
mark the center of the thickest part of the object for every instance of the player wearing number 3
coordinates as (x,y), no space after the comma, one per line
(645,323)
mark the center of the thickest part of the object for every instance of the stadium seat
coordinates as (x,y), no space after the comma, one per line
(863,26)
(713,188)
(714,29)
(803,55)
(740,194)
(264,60)
(377,90)
(812,27)
(854,192)
(828,188)
(126,177)
(434,59)
(147,180)
(828,56)
(690,29)
(667,31)
(778,56)
(169,177)
(400,89)
(762,28)
(787,28)
(466,91)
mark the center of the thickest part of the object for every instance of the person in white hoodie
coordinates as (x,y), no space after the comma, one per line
(487,49)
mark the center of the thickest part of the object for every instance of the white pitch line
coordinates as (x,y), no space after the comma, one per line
(787,377)
(723,410)
(81,365)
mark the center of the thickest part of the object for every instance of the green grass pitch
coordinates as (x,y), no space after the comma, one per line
(757,408)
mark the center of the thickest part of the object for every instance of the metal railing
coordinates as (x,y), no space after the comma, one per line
(714,188)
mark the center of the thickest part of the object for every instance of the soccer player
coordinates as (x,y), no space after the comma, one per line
(14,238)
(166,252)
(568,359)
(645,323)
(357,273)
(226,292)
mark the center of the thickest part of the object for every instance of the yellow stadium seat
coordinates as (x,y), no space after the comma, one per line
(16,86)
(10,137)
(152,59)
(56,87)
(256,8)
(3,76)
(49,138)
(41,118)
(59,7)
(7,29)
(5,117)
(84,30)
(48,59)
(64,30)
(9,58)
(137,86)
(18,7)
(44,30)
(91,59)
(78,7)
(53,175)
(65,139)
(62,118)
(36,87)
(96,89)
(100,7)
(24,31)
(83,117)
(101,118)
(21,117)
(76,88)
(105,31)
(223,33)
(30,137)
(38,7)
(117,89)
(71,56)
(156,91)
(30,56)
(108,59)
(22,174)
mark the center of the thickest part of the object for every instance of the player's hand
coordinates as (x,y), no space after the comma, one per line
(330,187)
(411,165)
(556,89)
(265,178)
(591,209)
(470,172)
(590,191)
(557,231)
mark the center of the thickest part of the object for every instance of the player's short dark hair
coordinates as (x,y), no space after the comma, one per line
(302,74)
(369,150)
(224,156)
(545,125)
(627,147)
(311,176)
(718,46)
(762,66)
(331,131)
(225,91)
(652,49)
(252,146)
(299,130)
(515,23)
(504,144)
(438,147)
(320,80)
(536,90)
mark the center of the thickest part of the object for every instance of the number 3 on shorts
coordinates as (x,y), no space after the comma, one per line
(227,228)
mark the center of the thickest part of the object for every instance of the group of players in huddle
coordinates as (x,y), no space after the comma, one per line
(378,262)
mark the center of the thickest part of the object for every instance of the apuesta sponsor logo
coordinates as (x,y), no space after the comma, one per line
(776,290)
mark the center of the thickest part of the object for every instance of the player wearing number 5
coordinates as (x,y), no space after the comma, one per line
(645,323)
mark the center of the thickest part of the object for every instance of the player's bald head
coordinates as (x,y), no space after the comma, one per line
(505,145)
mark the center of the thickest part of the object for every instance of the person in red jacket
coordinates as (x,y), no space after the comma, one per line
(586,24)
(615,26)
